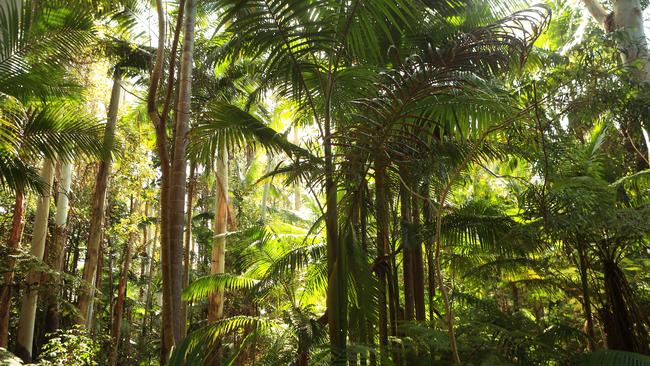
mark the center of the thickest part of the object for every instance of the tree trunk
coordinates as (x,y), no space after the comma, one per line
(625,324)
(175,202)
(336,277)
(13,242)
(449,315)
(151,249)
(118,310)
(85,298)
(586,298)
(418,262)
(55,253)
(188,244)
(160,125)
(267,188)
(407,262)
(431,274)
(27,318)
(627,16)
(297,199)
(382,262)
(218,264)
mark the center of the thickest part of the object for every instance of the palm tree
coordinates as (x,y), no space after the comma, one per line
(129,60)
(311,45)
(407,116)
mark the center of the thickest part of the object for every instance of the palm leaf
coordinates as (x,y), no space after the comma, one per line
(224,125)
(195,348)
(615,358)
(203,287)
(35,46)
(61,132)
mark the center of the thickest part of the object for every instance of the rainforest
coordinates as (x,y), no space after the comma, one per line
(324,182)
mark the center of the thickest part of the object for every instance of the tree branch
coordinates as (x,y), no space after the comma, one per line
(597,11)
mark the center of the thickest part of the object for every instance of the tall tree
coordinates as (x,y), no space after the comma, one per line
(86,291)
(56,249)
(26,322)
(215,309)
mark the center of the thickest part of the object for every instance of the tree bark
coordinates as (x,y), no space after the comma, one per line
(176,198)
(85,298)
(382,262)
(267,188)
(449,315)
(427,212)
(25,336)
(218,263)
(55,253)
(586,298)
(407,261)
(336,277)
(297,199)
(160,126)
(188,244)
(417,262)
(13,242)
(118,310)
(624,323)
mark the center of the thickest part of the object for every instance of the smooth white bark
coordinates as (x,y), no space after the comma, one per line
(27,318)
(62,197)
(218,264)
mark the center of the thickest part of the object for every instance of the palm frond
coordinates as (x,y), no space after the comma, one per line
(224,125)
(610,357)
(61,132)
(15,174)
(195,348)
(203,287)
(35,45)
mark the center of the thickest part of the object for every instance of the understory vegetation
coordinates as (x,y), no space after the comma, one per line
(324,182)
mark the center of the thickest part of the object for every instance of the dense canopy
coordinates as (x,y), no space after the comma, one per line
(324,182)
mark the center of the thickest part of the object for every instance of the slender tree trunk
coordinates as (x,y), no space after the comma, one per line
(449,315)
(586,302)
(111,281)
(25,337)
(118,310)
(336,276)
(176,200)
(188,244)
(418,262)
(394,312)
(85,298)
(13,242)
(407,262)
(267,188)
(431,277)
(55,253)
(103,249)
(382,263)
(218,264)
(297,199)
(144,249)
(149,294)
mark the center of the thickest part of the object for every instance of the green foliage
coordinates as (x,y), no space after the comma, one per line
(205,286)
(74,347)
(618,358)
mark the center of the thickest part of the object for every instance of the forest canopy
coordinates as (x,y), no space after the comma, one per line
(324,182)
